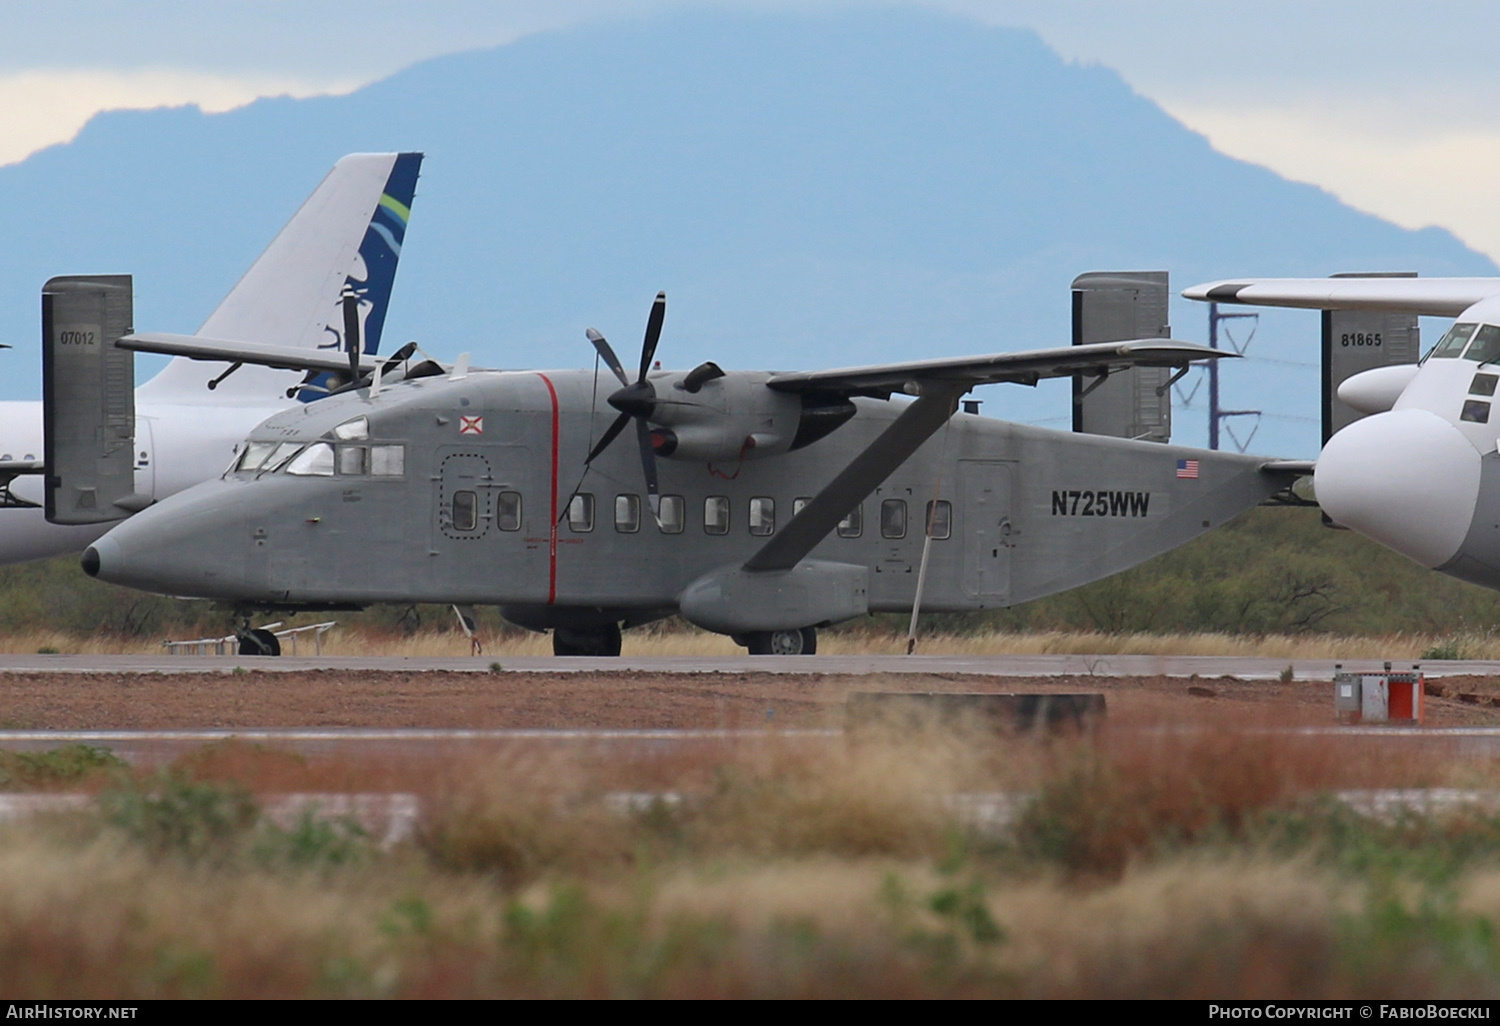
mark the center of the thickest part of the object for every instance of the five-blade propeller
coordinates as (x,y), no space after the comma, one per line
(635,399)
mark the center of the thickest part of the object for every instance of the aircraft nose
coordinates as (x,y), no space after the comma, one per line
(180,546)
(1407,479)
(103,560)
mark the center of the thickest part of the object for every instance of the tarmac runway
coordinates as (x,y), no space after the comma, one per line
(994,666)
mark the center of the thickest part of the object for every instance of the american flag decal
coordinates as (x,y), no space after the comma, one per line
(1187,469)
(475,426)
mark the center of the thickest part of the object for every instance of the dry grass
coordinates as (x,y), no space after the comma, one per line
(1195,928)
(661,642)
(1192,858)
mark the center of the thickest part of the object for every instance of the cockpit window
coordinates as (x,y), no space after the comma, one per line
(1452,343)
(314,461)
(387,460)
(353,430)
(352,459)
(278,458)
(254,455)
(1486,346)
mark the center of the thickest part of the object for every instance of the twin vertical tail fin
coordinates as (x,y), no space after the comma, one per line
(348,234)
(88,400)
(1111,306)
(1361,340)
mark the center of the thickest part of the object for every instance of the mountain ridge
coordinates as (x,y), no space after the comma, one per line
(811,189)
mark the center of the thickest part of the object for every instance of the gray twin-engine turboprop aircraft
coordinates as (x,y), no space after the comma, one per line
(755,504)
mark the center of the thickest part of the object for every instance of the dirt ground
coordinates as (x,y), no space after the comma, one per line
(121,701)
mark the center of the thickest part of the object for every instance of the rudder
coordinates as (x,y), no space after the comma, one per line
(88,400)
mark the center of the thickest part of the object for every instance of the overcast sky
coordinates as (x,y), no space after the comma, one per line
(1389,104)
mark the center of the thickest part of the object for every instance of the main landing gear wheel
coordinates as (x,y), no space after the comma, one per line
(602,642)
(259,643)
(788,642)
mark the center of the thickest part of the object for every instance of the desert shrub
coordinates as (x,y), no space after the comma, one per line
(67,764)
(519,818)
(314,841)
(173,815)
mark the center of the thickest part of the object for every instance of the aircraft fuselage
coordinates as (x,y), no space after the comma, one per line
(1423,476)
(474,491)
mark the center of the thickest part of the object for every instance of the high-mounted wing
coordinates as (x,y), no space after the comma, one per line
(196,347)
(1433,297)
(938,384)
(882,380)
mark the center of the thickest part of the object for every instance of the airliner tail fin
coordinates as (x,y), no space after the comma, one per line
(348,234)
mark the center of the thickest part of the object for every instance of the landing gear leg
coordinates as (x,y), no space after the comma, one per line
(604,641)
(256,642)
(787,642)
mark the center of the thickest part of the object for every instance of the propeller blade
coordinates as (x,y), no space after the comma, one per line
(351,331)
(608,436)
(653,333)
(648,464)
(608,355)
(397,358)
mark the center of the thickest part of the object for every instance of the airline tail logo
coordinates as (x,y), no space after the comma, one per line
(374,271)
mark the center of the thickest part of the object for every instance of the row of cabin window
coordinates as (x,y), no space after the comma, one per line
(716,515)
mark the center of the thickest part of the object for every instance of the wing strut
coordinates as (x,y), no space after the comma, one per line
(917,423)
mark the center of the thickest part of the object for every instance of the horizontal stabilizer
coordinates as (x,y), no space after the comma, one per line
(880,381)
(1302,468)
(196,347)
(1432,297)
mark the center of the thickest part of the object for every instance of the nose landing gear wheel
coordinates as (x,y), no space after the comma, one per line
(259,643)
(787,642)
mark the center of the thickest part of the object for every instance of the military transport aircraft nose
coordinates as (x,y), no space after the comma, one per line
(1407,479)
(102,560)
(179,546)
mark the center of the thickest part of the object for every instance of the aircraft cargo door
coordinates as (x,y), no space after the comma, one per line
(985,487)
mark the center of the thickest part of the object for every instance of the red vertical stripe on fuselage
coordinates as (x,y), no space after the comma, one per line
(552,529)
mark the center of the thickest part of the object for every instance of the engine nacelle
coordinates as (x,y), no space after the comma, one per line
(1376,390)
(736,417)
